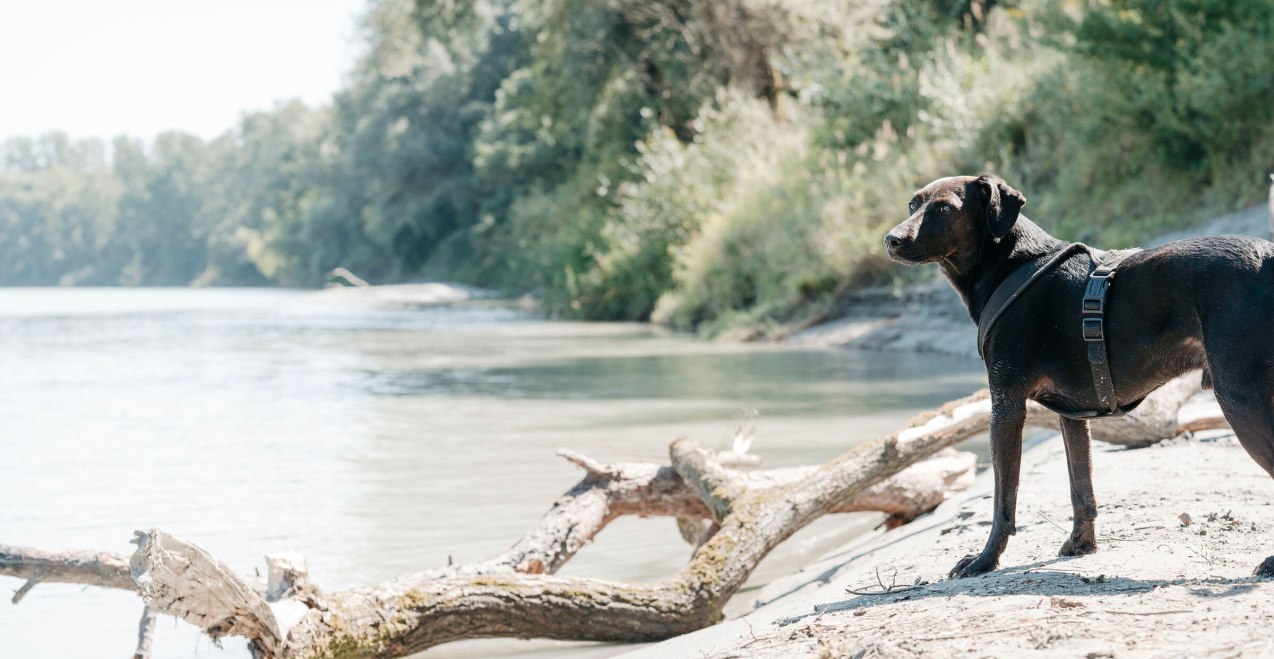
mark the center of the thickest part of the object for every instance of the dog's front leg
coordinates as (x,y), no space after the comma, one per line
(1008,415)
(1079,464)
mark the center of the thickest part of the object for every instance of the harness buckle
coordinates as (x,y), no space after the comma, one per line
(1093,330)
(1095,295)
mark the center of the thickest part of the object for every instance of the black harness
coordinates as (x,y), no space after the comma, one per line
(1016,284)
(1095,327)
(1093,308)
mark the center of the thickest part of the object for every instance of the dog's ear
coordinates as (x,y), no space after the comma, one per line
(1002,204)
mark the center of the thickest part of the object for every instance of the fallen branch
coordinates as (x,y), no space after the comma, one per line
(609,491)
(517,595)
(181,579)
(90,568)
(1156,419)
(145,634)
(419,611)
(892,588)
(1162,415)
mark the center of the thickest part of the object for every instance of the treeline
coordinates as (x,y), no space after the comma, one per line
(176,212)
(708,162)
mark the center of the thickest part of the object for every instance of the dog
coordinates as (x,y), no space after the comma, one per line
(1200,303)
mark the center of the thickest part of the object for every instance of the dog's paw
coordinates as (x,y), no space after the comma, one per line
(1078,546)
(971,566)
(1266,569)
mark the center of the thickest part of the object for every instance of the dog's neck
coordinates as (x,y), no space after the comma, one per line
(976,275)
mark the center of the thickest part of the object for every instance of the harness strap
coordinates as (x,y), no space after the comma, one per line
(1094,330)
(1012,287)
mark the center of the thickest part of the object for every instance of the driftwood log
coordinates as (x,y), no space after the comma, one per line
(734,517)
(1269,210)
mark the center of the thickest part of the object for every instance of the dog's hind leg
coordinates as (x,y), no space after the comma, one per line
(1083,539)
(1245,390)
(1252,419)
(1242,372)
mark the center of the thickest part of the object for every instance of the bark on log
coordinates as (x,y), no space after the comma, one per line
(145,634)
(181,579)
(420,611)
(1159,416)
(90,568)
(607,492)
(517,595)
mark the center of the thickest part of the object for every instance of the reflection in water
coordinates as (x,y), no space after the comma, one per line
(373,441)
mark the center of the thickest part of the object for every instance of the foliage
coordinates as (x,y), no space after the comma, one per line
(710,164)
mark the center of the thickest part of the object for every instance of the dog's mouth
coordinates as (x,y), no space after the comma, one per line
(905,256)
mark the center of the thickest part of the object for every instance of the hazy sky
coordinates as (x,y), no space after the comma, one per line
(105,67)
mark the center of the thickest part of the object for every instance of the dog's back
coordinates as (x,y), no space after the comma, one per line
(1219,284)
(1189,299)
(1212,298)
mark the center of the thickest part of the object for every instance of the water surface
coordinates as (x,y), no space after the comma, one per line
(375,441)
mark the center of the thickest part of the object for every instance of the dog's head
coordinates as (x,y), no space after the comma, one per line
(954,216)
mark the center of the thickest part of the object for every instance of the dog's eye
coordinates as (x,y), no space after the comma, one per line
(941,207)
(912,205)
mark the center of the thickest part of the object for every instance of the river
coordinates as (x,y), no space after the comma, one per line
(376,441)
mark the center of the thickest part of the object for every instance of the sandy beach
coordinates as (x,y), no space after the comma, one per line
(1158,586)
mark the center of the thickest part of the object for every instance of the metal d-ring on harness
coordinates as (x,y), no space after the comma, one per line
(1094,328)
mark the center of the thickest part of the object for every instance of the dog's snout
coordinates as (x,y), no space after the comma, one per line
(892,240)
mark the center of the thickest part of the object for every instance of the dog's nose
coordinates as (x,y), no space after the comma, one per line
(892,241)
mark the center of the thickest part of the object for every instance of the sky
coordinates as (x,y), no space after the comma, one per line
(101,68)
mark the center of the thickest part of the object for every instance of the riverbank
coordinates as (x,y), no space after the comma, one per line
(930,318)
(1181,526)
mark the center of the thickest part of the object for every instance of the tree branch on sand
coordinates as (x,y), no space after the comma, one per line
(733,517)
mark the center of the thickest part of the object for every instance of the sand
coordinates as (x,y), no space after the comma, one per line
(1181,526)
(1158,587)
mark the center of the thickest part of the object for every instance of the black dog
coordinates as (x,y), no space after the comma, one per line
(1204,302)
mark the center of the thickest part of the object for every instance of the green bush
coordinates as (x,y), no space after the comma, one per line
(712,165)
